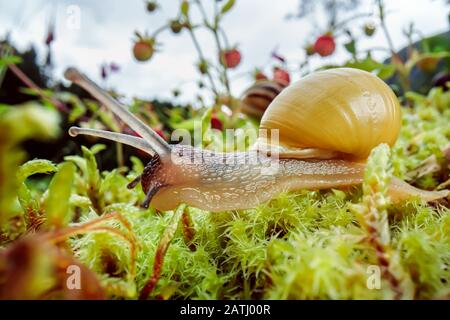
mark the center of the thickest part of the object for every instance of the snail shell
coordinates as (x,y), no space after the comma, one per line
(340,111)
(258,97)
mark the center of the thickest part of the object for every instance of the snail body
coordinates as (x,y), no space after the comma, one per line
(239,180)
(326,124)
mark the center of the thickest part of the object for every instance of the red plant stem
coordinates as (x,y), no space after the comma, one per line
(384,261)
(92,226)
(161,251)
(188,230)
(30,84)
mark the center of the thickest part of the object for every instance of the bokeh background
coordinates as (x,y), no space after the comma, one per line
(258,27)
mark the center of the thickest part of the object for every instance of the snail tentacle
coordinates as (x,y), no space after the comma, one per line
(134,183)
(154,187)
(154,140)
(135,142)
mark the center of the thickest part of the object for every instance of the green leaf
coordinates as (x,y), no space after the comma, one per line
(91,166)
(384,71)
(5,60)
(28,202)
(79,161)
(57,202)
(187,124)
(93,179)
(78,107)
(4,108)
(138,166)
(227,6)
(351,47)
(33,167)
(31,120)
(80,201)
(185,8)
(98,147)
(17,124)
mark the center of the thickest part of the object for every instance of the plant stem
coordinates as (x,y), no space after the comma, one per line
(215,31)
(161,251)
(202,58)
(214,28)
(30,84)
(224,36)
(345,21)
(159,30)
(395,59)
(384,27)
(119,155)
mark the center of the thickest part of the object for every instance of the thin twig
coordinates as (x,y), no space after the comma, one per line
(30,84)
(214,29)
(384,27)
(161,251)
(202,58)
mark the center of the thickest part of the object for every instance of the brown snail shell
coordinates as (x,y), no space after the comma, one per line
(258,97)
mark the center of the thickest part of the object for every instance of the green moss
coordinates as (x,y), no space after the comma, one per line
(302,245)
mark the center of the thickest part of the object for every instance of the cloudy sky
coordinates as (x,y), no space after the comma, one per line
(257,26)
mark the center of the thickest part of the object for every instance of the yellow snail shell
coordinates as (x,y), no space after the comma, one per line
(338,111)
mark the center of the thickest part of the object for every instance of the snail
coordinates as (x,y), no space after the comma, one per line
(327,124)
(258,97)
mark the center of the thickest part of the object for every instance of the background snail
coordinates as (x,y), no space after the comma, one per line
(258,97)
(327,123)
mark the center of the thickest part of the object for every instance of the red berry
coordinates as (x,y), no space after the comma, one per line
(143,49)
(324,45)
(216,123)
(281,76)
(230,58)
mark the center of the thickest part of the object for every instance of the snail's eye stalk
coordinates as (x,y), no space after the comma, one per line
(151,137)
(113,136)
(149,196)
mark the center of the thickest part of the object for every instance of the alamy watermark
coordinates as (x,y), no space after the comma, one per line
(73,281)
(374,277)
(73,17)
